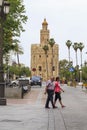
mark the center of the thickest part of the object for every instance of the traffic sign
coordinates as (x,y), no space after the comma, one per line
(71,69)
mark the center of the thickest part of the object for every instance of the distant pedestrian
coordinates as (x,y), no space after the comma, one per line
(57,91)
(50,92)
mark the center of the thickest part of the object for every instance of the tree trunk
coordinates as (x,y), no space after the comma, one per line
(18,59)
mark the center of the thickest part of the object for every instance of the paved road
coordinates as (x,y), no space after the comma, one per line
(29,113)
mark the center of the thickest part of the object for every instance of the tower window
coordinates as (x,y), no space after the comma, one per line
(40,56)
(53,68)
(40,68)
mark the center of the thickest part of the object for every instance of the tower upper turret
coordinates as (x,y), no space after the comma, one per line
(44,24)
(44,32)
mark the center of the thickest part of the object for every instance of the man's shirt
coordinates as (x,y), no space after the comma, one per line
(50,85)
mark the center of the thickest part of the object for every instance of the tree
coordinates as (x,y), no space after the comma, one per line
(84,74)
(64,69)
(81,46)
(75,46)
(23,71)
(68,44)
(46,48)
(51,42)
(18,50)
(13,26)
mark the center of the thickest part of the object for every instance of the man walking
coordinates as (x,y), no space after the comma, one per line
(50,92)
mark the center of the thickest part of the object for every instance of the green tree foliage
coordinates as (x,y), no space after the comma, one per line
(81,46)
(68,44)
(63,68)
(25,71)
(18,50)
(84,74)
(46,48)
(64,71)
(75,47)
(13,25)
(51,42)
(19,71)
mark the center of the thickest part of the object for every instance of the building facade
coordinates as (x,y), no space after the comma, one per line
(42,63)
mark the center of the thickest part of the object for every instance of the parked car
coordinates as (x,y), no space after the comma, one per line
(16,82)
(36,80)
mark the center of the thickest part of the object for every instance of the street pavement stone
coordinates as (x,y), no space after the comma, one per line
(30,114)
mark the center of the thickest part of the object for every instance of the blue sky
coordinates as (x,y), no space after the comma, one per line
(67,20)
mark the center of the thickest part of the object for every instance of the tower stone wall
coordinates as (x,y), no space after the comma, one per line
(41,64)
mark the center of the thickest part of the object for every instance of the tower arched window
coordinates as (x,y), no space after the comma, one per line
(53,68)
(40,68)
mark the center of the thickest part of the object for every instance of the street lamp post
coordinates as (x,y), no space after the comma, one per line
(4,9)
(80,75)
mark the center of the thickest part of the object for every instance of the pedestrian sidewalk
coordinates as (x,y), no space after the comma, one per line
(29,113)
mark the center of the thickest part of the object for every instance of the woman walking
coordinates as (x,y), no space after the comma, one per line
(57,91)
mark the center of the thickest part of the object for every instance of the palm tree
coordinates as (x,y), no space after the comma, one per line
(81,46)
(46,48)
(18,50)
(68,44)
(51,42)
(75,46)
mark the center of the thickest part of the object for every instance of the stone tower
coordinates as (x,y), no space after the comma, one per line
(42,64)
